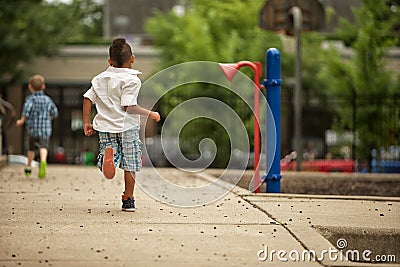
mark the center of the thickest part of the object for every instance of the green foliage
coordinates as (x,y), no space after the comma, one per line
(218,31)
(365,77)
(31,28)
(211,30)
(227,31)
(313,58)
(86,22)
(384,15)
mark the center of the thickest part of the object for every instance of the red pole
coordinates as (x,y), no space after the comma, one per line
(257,146)
(257,69)
(256,140)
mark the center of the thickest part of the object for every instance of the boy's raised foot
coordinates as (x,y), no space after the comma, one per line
(108,167)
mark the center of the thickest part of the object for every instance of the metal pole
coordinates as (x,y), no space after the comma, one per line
(256,136)
(297,21)
(257,70)
(353,148)
(272,83)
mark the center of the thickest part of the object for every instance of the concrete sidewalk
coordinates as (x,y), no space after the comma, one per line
(73,218)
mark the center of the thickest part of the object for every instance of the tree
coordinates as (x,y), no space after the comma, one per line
(32,28)
(86,23)
(218,31)
(362,82)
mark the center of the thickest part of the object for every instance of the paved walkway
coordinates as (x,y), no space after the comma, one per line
(73,218)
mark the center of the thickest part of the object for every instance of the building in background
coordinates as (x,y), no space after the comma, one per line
(68,75)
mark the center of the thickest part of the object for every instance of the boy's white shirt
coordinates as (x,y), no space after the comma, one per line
(111,91)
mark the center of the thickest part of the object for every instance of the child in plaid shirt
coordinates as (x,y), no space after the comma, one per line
(37,113)
(115,92)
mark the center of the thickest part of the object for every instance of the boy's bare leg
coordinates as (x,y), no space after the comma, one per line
(31,156)
(129,184)
(43,154)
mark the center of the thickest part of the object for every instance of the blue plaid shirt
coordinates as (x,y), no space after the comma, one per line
(39,109)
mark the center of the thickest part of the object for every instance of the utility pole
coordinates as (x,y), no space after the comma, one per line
(297,23)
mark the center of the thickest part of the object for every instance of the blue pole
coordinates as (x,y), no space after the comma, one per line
(272,83)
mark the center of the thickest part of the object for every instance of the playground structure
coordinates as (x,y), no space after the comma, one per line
(272,84)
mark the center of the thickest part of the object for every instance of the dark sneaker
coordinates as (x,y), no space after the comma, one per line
(128,205)
(28,172)
(108,163)
(42,169)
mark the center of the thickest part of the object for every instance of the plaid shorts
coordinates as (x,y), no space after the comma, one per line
(127,149)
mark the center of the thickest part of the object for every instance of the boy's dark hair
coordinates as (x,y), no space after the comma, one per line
(120,52)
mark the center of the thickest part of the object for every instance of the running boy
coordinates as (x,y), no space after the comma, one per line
(115,92)
(37,113)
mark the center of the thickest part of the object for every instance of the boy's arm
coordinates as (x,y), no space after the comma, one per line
(21,121)
(155,116)
(54,110)
(87,126)
(26,110)
(129,100)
